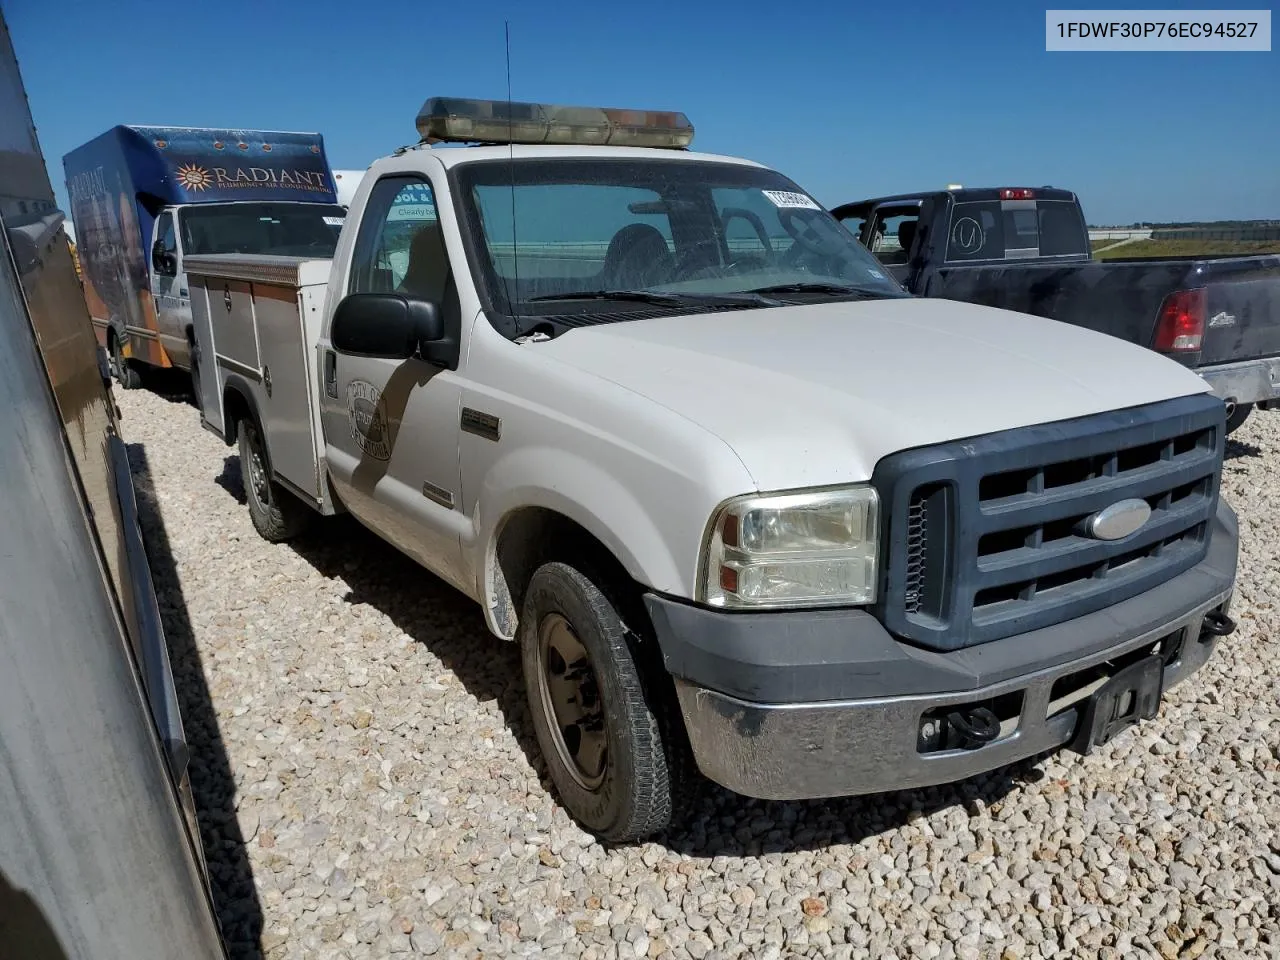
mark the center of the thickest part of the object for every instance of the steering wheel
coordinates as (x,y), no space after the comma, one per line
(689,270)
(747,264)
(810,241)
(803,231)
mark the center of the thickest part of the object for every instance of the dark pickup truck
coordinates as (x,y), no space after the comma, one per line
(1027,249)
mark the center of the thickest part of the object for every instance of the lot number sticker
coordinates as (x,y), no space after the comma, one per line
(785,199)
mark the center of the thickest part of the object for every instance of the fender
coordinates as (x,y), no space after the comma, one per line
(241,386)
(116,326)
(594,499)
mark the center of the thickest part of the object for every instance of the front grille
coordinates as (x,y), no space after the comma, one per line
(985,537)
(917,551)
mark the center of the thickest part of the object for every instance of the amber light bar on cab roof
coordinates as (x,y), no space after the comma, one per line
(452,120)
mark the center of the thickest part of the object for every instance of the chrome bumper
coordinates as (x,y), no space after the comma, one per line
(1250,381)
(843,748)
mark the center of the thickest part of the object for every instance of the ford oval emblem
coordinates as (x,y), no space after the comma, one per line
(1118,520)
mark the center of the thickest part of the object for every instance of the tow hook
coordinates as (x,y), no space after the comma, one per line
(1217,624)
(974,726)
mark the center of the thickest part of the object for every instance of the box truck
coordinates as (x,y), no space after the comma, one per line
(145,197)
(347,181)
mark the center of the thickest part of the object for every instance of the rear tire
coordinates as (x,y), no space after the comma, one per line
(276,514)
(126,374)
(619,770)
(1238,416)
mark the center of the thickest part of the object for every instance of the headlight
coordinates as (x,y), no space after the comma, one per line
(793,550)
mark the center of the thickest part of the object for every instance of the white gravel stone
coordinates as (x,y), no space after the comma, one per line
(368,786)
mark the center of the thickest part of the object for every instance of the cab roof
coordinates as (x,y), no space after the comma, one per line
(452,156)
(962,193)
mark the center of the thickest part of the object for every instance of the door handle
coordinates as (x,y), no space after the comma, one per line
(331,374)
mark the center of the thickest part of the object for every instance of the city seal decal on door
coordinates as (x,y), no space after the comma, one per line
(368,417)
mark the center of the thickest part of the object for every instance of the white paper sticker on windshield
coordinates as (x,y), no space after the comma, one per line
(334,221)
(783,198)
(877,274)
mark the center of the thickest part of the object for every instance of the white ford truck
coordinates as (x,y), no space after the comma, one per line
(749,509)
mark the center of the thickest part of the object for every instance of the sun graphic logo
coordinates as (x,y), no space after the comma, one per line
(194,177)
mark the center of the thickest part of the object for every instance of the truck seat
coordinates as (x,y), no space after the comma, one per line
(428,265)
(637,257)
(906,237)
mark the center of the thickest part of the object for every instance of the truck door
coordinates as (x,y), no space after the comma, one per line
(169,287)
(391,426)
(891,236)
(854,219)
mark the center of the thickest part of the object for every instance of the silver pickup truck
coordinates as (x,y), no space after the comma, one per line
(749,508)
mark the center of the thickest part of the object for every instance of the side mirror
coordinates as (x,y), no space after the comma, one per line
(164,263)
(390,327)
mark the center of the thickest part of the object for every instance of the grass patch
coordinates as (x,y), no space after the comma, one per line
(1185,248)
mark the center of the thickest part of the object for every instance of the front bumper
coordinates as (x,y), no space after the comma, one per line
(1250,381)
(808,704)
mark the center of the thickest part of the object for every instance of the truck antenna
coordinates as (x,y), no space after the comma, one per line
(511,166)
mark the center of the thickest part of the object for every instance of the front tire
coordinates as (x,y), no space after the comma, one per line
(276,514)
(615,771)
(1239,414)
(126,374)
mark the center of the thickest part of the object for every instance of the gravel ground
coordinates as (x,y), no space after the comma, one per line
(368,784)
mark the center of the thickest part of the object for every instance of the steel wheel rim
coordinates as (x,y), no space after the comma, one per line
(257,472)
(571,702)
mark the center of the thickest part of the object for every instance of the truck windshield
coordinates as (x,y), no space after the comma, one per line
(576,235)
(1016,230)
(282,229)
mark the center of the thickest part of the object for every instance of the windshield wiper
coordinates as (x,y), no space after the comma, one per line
(643,296)
(834,289)
(662,299)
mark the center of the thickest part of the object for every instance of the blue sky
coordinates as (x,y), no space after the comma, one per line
(850,99)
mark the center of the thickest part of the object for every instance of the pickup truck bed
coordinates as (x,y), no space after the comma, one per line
(254,326)
(1123,297)
(1235,301)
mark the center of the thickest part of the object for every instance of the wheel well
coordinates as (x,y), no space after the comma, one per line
(235,407)
(533,536)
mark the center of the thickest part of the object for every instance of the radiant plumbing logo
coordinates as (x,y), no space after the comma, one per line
(197,179)
(194,177)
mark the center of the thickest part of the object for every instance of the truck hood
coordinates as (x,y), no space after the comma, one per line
(813,395)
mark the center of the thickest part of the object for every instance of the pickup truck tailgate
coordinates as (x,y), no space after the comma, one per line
(1242,309)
